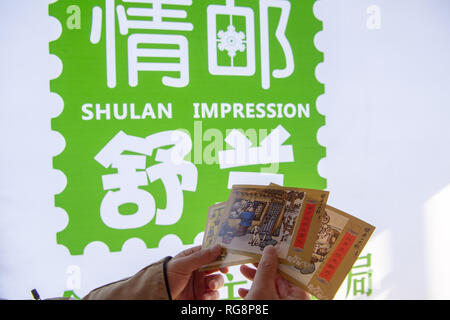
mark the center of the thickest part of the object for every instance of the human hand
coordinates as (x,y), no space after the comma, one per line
(267,282)
(186,282)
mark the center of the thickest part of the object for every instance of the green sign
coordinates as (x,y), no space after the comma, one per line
(167,103)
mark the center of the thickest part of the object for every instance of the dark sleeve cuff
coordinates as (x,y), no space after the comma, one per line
(166,280)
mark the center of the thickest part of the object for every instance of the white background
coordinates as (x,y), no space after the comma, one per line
(387,134)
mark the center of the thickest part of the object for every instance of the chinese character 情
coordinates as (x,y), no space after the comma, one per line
(145,46)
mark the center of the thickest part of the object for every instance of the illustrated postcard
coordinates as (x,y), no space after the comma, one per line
(303,233)
(340,240)
(257,216)
(213,224)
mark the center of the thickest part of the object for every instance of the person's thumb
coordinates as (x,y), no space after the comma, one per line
(267,268)
(196,260)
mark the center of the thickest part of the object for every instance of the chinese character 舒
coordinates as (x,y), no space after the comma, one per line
(128,155)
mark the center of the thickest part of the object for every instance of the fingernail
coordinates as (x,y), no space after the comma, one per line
(214,295)
(213,285)
(282,288)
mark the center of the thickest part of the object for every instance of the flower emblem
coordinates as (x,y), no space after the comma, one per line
(231,41)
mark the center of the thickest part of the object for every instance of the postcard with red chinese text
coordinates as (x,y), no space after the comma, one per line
(339,242)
